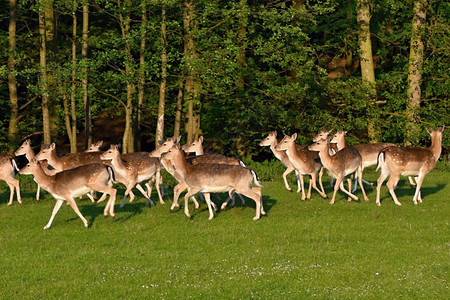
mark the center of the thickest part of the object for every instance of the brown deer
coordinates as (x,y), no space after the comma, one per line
(271,141)
(306,162)
(7,170)
(141,169)
(345,162)
(215,178)
(212,158)
(414,161)
(69,184)
(369,153)
(95,147)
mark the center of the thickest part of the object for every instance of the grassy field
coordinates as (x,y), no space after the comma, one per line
(301,249)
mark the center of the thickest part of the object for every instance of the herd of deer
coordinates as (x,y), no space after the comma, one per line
(78,174)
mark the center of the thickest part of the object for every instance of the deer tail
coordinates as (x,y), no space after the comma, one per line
(255,178)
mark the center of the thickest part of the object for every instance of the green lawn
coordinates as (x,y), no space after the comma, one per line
(301,249)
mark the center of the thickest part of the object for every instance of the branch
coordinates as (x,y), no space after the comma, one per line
(112,96)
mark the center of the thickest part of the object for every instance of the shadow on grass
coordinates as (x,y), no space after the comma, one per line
(407,190)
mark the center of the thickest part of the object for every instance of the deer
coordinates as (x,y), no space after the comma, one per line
(95,147)
(271,141)
(305,162)
(159,152)
(141,169)
(69,184)
(369,153)
(345,162)
(8,167)
(216,178)
(408,161)
(73,160)
(201,158)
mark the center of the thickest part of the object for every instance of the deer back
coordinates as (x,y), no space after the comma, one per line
(369,152)
(408,160)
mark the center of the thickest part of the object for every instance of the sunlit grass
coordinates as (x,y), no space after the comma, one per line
(302,249)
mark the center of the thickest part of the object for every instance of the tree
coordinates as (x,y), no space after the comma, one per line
(141,82)
(84,80)
(415,73)
(162,85)
(366,61)
(44,90)
(12,83)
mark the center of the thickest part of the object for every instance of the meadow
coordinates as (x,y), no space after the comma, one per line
(301,249)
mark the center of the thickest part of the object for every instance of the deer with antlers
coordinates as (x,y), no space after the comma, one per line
(413,161)
(215,178)
(69,184)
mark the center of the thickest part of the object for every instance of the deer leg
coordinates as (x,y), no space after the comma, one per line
(253,194)
(11,193)
(189,194)
(349,182)
(242,199)
(297,177)
(158,179)
(58,204)
(384,174)
(392,182)
(37,192)
(417,195)
(359,175)
(336,187)
(149,201)
(90,197)
(102,198)
(285,173)
(74,206)
(128,191)
(314,184)
(303,187)
(110,204)
(411,181)
(181,186)
(351,196)
(257,190)
(321,184)
(208,202)
(308,195)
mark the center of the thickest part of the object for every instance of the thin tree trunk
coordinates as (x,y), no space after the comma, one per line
(12,84)
(43,79)
(141,84)
(84,80)
(177,127)
(128,139)
(415,73)
(72,121)
(191,85)
(366,60)
(162,86)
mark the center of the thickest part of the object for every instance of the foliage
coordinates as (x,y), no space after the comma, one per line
(262,66)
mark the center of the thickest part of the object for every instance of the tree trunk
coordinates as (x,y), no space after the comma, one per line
(84,80)
(72,120)
(141,84)
(366,60)
(177,127)
(191,84)
(12,84)
(415,73)
(43,79)
(162,86)
(49,19)
(128,138)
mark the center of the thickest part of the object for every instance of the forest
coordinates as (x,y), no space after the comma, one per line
(137,71)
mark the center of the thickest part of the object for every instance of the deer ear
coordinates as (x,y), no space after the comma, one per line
(429,131)
(177,146)
(441,129)
(99,143)
(294,136)
(275,133)
(52,146)
(200,139)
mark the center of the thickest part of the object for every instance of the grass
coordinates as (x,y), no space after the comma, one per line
(302,249)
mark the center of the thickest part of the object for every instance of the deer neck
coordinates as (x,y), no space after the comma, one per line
(29,154)
(325,156)
(436,147)
(291,150)
(180,165)
(55,161)
(44,180)
(278,153)
(118,164)
(341,144)
(199,151)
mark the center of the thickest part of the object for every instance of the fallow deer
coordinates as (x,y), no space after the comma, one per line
(271,141)
(414,161)
(72,183)
(216,178)
(141,169)
(95,147)
(306,162)
(343,163)
(7,170)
